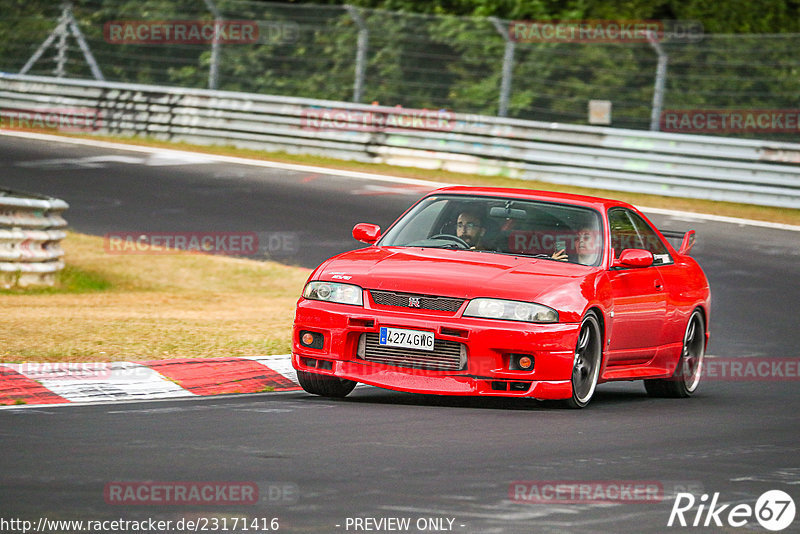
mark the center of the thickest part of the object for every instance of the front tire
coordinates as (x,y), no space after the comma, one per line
(324,385)
(686,378)
(586,365)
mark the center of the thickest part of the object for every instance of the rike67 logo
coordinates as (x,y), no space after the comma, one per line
(774,510)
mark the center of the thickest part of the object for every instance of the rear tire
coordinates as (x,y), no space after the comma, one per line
(324,385)
(586,365)
(686,378)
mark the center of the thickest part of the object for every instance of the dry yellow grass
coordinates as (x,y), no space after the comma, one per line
(152,307)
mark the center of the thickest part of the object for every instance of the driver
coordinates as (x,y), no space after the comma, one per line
(470,227)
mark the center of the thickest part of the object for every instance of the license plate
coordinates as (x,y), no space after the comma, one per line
(409,339)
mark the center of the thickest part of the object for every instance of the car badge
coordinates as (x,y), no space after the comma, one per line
(413,302)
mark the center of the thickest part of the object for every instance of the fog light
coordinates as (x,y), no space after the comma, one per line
(521,362)
(312,340)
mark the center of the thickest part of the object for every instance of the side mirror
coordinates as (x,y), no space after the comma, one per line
(367,233)
(634,257)
(689,239)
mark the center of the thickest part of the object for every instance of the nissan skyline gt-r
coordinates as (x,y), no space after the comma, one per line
(506,292)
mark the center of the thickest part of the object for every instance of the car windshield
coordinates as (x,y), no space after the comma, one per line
(507,226)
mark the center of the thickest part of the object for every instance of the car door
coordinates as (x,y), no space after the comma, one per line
(639,300)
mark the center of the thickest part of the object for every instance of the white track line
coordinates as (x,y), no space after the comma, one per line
(720,218)
(350,174)
(226,159)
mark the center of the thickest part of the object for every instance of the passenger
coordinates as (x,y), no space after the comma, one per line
(588,245)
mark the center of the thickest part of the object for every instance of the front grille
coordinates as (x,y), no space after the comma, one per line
(445,356)
(404,300)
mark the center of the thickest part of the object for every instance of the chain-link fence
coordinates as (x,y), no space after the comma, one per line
(468,65)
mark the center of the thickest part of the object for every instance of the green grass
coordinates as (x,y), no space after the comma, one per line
(71,280)
(76,280)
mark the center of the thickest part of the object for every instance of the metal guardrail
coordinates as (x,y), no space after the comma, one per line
(694,166)
(31,230)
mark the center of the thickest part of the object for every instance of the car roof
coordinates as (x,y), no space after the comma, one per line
(598,203)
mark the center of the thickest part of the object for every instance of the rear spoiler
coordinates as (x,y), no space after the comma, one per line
(687,239)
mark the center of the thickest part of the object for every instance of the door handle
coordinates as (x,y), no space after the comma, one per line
(658,285)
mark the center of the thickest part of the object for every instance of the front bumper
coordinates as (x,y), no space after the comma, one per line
(490,346)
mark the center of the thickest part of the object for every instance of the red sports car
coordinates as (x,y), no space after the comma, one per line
(506,292)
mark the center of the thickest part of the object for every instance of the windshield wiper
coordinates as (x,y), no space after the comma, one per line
(454,246)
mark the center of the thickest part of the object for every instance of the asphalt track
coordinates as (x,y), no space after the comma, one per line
(380,454)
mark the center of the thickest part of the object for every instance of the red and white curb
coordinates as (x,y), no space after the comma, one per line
(60,383)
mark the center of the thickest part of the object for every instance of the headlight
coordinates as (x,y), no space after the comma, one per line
(334,292)
(510,310)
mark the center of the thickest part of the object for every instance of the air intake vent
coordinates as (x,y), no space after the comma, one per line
(422,302)
(445,356)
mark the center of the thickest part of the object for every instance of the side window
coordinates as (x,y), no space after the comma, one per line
(623,232)
(650,240)
(629,230)
(420,226)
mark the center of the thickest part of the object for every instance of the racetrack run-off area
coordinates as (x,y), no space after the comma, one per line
(60,383)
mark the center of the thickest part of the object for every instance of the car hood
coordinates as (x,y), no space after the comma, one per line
(460,274)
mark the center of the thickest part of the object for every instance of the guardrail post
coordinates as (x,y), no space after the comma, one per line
(361,52)
(213,68)
(661,76)
(508,67)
